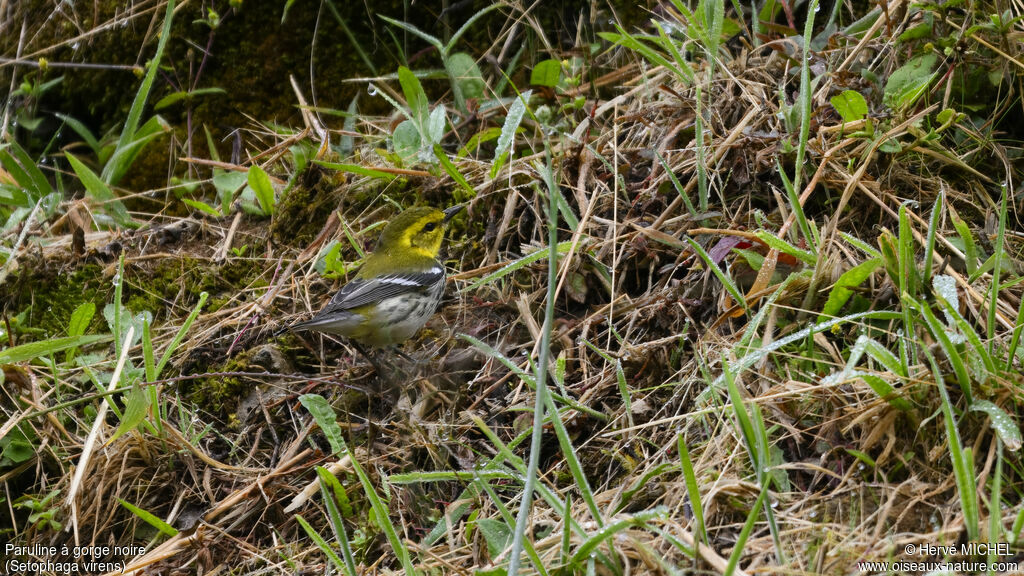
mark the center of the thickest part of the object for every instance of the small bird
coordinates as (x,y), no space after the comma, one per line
(398,287)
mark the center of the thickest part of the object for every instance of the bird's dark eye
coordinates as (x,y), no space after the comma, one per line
(429,226)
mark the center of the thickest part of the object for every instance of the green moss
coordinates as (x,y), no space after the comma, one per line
(181,280)
(50,296)
(302,211)
(219,395)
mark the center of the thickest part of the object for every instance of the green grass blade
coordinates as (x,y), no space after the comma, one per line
(332,492)
(611,529)
(128,134)
(963,469)
(543,402)
(933,226)
(748,527)
(384,519)
(804,98)
(320,543)
(724,278)
(166,357)
(773,241)
(561,248)
(692,490)
(993,297)
(98,190)
(938,332)
(150,518)
(34,350)
(262,188)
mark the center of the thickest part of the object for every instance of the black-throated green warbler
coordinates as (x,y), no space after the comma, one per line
(398,287)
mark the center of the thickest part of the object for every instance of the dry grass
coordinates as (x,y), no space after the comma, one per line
(641,334)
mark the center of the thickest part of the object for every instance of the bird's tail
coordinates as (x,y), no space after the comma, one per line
(291,328)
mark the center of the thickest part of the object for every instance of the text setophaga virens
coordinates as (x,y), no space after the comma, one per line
(398,287)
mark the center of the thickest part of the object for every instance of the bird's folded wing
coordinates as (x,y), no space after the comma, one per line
(362,291)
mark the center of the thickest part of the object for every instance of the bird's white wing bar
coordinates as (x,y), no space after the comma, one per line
(360,292)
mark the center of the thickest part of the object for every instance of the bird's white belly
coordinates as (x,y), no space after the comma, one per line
(404,315)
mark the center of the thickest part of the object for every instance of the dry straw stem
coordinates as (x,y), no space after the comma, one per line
(182,543)
(97,427)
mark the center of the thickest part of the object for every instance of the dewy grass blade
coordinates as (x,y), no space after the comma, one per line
(938,331)
(511,267)
(805,95)
(963,461)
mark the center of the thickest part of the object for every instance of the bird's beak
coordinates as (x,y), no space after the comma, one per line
(450,213)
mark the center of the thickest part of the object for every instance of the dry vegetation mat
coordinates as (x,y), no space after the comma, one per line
(736,291)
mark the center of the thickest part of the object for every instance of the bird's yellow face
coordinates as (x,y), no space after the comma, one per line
(419,230)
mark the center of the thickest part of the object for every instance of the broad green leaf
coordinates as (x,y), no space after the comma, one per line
(884,390)
(970,248)
(920,31)
(80,320)
(1002,423)
(843,288)
(850,105)
(229,182)
(415,97)
(113,171)
(262,188)
(123,317)
(23,169)
(406,140)
(13,196)
(125,154)
(496,533)
(467,74)
(326,419)
(16,447)
(910,81)
(136,407)
(546,73)
(890,145)
(508,130)
(438,122)
(83,131)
